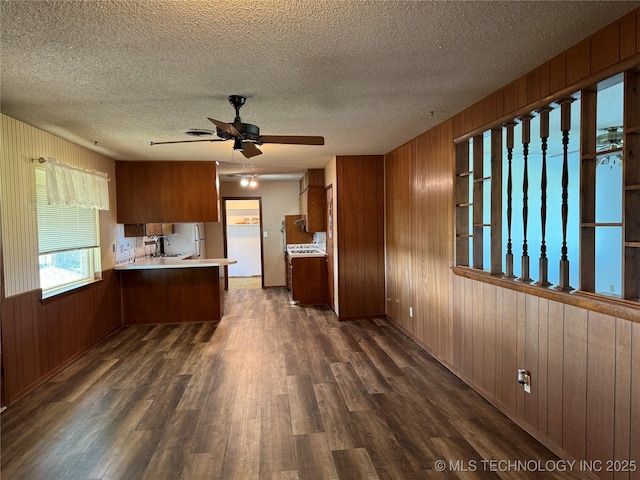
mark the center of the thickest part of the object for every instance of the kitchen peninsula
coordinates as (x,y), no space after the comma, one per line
(172,290)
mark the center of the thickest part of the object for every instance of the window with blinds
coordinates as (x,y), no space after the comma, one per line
(68,242)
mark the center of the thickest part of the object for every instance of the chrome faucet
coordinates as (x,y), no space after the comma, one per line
(159,245)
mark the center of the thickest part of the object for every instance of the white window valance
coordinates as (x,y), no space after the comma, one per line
(74,187)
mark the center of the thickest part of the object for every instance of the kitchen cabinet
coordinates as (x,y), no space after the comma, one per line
(312,205)
(153,229)
(313,177)
(166,192)
(307,280)
(172,295)
(134,230)
(312,200)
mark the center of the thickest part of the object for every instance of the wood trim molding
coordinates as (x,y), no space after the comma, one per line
(589,301)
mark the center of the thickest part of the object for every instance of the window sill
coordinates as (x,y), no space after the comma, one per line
(609,306)
(62,292)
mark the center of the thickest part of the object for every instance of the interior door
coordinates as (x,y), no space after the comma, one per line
(329,224)
(243,239)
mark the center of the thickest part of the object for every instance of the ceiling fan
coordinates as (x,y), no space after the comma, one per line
(246,137)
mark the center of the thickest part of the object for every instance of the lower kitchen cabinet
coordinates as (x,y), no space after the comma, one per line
(307,280)
(172,295)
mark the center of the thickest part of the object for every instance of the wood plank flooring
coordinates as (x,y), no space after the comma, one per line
(273,391)
(242,283)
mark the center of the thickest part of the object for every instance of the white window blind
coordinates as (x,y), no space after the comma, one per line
(63,228)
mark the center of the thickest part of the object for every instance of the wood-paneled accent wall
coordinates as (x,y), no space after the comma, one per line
(19,145)
(585,396)
(598,55)
(585,365)
(419,237)
(360,236)
(39,338)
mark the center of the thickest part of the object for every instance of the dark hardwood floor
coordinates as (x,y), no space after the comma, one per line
(273,391)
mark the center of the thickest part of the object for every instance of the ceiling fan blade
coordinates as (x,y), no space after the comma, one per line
(225,127)
(190,141)
(291,139)
(250,150)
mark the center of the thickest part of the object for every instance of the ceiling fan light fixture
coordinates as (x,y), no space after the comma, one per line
(246,136)
(610,139)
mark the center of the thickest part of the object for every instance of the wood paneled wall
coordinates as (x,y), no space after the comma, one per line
(41,337)
(597,56)
(585,365)
(419,238)
(585,395)
(360,236)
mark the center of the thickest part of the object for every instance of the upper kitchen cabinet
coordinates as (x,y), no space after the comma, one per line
(313,200)
(167,192)
(313,177)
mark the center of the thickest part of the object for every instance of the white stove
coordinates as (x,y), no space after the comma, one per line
(305,250)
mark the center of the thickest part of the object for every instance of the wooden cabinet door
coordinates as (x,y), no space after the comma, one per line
(165,192)
(308,277)
(312,205)
(304,204)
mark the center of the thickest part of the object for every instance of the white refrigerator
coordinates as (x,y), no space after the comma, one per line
(187,238)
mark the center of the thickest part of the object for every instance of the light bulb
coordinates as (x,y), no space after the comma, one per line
(244,182)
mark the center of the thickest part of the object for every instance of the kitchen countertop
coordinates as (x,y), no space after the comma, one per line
(174,262)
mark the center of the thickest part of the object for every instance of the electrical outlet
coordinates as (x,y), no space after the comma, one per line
(524,379)
(410,312)
(265,234)
(612,288)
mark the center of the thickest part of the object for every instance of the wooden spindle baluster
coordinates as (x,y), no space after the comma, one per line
(565,126)
(510,141)
(544,136)
(525,121)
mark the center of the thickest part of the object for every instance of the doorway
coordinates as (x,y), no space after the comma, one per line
(242,220)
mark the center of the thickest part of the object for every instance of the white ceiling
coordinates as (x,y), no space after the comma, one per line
(367,75)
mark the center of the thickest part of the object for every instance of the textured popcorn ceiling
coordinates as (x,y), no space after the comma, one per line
(115,75)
